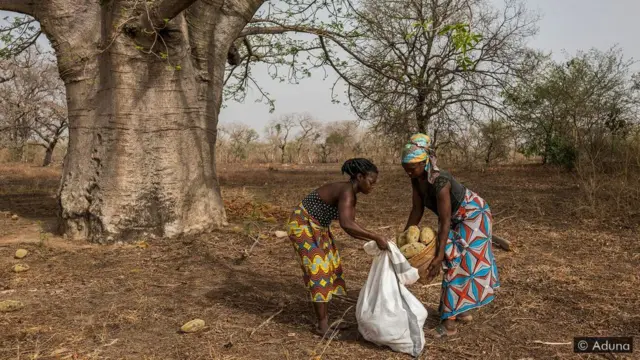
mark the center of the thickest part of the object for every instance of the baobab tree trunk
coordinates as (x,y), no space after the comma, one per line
(142,127)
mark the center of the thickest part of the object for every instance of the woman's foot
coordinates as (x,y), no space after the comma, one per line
(323,330)
(441,331)
(464,318)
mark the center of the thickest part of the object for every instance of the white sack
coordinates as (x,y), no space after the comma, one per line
(388,314)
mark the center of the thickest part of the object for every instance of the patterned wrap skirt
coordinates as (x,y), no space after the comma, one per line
(318,256)
(470,270)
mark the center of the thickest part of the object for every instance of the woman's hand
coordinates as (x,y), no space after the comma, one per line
(382,244)
(434,267)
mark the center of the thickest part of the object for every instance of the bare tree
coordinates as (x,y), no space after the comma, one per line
(240,137)
(422,65)
(50,127)
(280,131)
(307,135)
(495,138)
(339,142)
(32,101)
(5,72)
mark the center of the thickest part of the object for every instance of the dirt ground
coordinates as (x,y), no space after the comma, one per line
(569,276)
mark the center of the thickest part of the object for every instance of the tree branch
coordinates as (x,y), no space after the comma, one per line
(163,12)
(5,79)
(20,6)
(282,28)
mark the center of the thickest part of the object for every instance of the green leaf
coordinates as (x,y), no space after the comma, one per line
(178,67)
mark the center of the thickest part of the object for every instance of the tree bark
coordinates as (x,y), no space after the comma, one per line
(48,154)
(142,129)
(282,153)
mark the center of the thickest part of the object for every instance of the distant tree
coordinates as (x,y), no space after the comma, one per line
(568,109)
(240,137)
(32,102)
(280,131)
(424,65)
(307,136)
(496,135)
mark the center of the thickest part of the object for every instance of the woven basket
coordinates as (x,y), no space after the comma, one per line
(422,261)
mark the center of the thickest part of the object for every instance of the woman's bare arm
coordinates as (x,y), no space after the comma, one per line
(417,207)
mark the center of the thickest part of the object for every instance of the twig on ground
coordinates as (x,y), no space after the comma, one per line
(502,243)
(498,213)
(551,343)
(335,331)
(256,241)
(266,321)
(465,354)
(496,313)
(248,252)
(503,219)
(111,343)
(346,299)
(166,285)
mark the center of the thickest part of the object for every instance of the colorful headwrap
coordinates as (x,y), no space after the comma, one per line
(418,149)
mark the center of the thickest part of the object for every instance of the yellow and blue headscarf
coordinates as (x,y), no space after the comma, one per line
(418,149)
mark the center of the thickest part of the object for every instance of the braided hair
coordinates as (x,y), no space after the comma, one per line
(353,167)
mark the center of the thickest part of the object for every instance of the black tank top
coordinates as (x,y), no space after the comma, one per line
(429,192)
(319,209)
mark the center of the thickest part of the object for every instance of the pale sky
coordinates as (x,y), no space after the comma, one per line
(566,25)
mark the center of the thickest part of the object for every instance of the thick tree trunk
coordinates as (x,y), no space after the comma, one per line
(141,156)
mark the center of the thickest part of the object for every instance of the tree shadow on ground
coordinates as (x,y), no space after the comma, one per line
(248,291)
(31,206)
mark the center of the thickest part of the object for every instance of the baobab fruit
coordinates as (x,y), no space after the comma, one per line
(427,235)
(401,239)
(192,326)
(412,249)
(20,268)
(21,253)
(413,234)
(10,305)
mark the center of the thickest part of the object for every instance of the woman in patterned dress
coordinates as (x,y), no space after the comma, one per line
(464,250)
(310,234)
